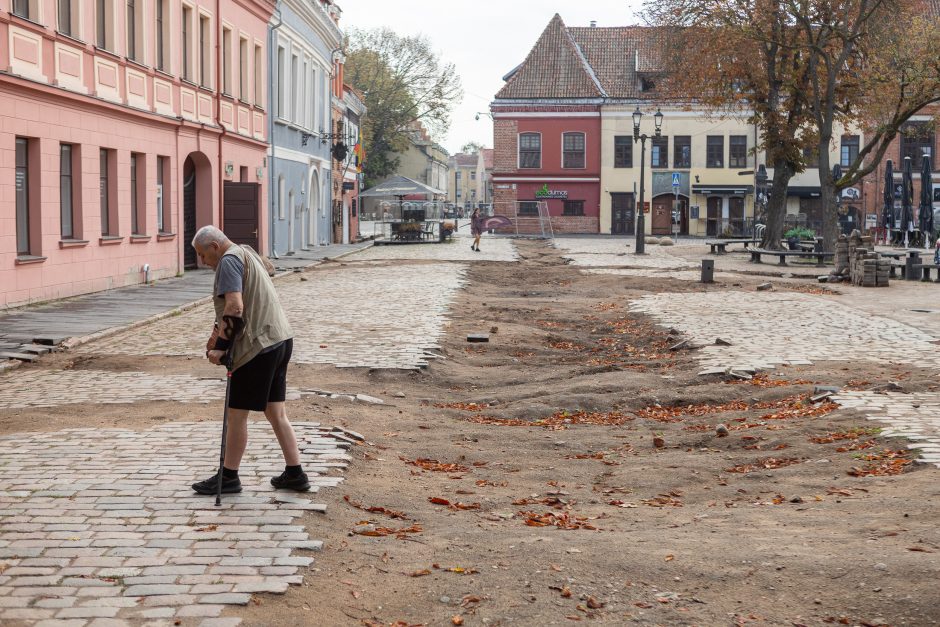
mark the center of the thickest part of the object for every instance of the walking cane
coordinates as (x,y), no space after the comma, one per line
(228,389)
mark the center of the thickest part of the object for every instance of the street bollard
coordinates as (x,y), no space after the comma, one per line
(910,272)
(708,270)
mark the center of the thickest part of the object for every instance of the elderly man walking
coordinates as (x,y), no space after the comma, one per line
(250,322)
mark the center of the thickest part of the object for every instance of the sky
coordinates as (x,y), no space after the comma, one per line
(485,39)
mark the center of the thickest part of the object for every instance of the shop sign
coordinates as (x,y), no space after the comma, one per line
(550,193)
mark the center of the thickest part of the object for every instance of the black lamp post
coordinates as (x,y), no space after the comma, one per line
(641,218)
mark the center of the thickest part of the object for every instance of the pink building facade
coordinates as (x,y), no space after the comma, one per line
(124,126)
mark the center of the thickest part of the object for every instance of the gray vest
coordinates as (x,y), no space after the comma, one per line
(265,321)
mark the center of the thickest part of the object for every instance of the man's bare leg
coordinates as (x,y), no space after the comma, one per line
(236,439)
(276,413)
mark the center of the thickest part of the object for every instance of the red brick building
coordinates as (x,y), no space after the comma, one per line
(547,134)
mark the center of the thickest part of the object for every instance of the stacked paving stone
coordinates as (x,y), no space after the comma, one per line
(100,526)
(856,261)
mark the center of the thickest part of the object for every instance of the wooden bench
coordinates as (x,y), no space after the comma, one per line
(719,246)
(819,256)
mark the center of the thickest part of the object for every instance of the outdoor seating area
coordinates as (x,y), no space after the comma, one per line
(719,246)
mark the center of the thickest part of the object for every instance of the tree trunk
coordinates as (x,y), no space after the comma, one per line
(777,206)
(828,197)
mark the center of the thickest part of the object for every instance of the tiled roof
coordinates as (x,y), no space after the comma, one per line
(465,160)
(555,68)
(605,62)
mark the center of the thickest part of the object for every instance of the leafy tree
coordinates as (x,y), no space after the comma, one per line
(403,81)
(803,68)
(873,65)
(472,147)
(740,57)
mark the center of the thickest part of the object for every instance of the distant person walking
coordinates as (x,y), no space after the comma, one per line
(251,323)
(476,229)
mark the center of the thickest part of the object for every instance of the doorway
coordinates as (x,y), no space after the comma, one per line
(736,220)
(622,214)
(662,215)
(189,213)
(713,216)
(240,212)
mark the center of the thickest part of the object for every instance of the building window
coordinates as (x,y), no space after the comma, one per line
(135,190)
(259,77)
(917,140)
(104,180)
(737,151)
(715,151)
(473,176)
(573,208)
(623,151)
(22,196)
(659,152)
(529,208)
(294,83)
(66,189)
(205,51)
(573,150)
(281,83)
(849,151)
(69,18)
(187,44)
(227,61)
(28,9)
(104,24)
(302,102)
(162,35)
(457,175)
(281,198)
(530,150)
(163,175)
(131,14)
(243,69)
(682,149)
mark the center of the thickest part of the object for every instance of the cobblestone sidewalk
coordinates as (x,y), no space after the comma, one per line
(375,317)
(491,249)
(617,253)
(101,524)
(914,416)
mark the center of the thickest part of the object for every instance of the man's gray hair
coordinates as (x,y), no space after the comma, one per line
(208,235)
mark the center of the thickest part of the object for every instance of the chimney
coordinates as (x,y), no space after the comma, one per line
(593,23)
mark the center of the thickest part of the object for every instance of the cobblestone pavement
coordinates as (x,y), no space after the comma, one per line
(679,275)
(768,328)
(50,388)
(375,317)
(617,253)
(491,249)
(915,416)
(102,524)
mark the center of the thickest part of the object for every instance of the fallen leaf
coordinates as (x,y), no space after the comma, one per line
(420,573)
(555,567)
(439,501)
(669,558)
(643,605)
(457,620)
(356,593)
(594,604)
(375,510)
(919,549)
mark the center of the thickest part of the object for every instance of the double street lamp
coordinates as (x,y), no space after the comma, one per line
(641,218)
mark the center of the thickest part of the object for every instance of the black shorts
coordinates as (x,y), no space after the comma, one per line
(262,380)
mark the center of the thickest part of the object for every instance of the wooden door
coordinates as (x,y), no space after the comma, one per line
(240,212)
(189,213)
(662,215)
(713,216)
(622,214)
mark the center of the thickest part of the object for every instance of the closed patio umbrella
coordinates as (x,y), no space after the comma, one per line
(926,201)
(887,214)
(907,200)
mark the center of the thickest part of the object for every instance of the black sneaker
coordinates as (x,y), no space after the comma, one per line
(210,485)
(286,482)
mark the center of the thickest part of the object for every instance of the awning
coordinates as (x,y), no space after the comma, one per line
(722,190)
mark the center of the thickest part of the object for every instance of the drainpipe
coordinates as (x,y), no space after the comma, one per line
(271,113)
(218,110)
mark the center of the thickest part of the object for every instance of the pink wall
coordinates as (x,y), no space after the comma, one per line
(70,92)
(551,130)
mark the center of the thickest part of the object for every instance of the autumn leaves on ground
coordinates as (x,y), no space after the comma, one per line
(575,469)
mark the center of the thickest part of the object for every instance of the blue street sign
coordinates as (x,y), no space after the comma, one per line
(675,179)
